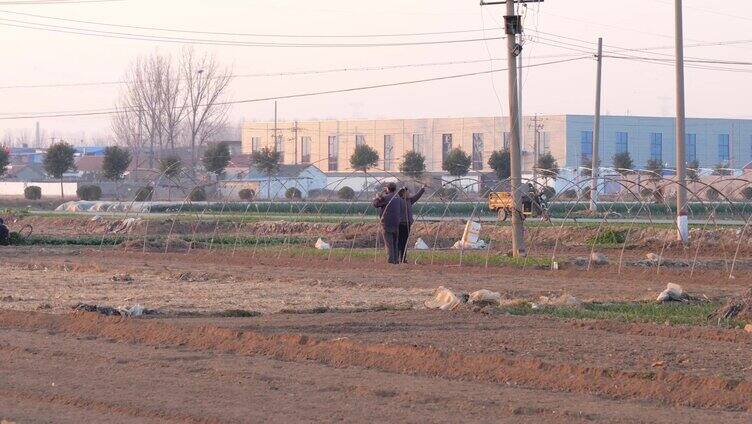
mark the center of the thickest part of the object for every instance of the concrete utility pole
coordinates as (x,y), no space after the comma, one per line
(681,173)
(512,28)
(519,94)
(275,125)
(537,126)
(295,141)
(596,132)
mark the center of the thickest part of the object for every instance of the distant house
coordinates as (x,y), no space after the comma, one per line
(26,155)
(89,168)
(303,177)
(24,172)
(239,167)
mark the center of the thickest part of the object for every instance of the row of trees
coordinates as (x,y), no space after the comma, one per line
(623,164)
(457,163)
(169,102)
(60,159)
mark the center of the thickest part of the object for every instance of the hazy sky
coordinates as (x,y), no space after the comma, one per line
(38,57)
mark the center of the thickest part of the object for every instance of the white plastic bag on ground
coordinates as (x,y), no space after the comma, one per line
(653,257)
(484,296)
(443,299)
(322,245)
(480,244)
(421,245)
(135,310)
(672,292)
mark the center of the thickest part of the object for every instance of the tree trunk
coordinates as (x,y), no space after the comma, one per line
(62,195)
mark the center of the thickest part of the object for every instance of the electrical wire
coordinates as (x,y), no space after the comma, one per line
(245,34)
(35,2)
(289,73)
(299,95)
(141,37)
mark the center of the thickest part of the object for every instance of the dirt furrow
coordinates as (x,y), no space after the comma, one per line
(101,407)
(671,388)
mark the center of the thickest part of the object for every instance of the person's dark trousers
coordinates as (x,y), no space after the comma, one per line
(404,234)
(391,241)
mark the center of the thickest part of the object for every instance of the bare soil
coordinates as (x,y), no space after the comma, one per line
(374,354)
(713,241)
(76,367)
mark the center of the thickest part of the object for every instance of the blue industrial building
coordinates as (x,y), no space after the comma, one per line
(709,141)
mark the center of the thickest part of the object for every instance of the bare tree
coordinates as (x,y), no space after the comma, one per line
(206,110)
(126,127)
(7,139)
(143,97)
(173,103)
(165,100)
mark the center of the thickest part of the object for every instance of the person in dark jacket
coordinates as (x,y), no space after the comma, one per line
(4,234)
(406,221)
(391,208)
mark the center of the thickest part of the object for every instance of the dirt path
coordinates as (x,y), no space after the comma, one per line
(73,368)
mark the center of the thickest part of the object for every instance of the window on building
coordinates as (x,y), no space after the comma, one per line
(656,146)
(477,151)
(360,140)
(586,146)
(446,146)
(305,149)
(622,142)
(388,152)
(333,153)
(544,142)
(279,144)
(255,144)
(690,147)
(418,143)
(724,148)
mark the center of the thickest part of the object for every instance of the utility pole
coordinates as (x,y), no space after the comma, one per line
(596,132)
(512,28)
(275,126)
(295,141)
(536,127)
(519,95)
(681,173)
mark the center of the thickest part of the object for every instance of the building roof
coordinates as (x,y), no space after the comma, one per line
(285,171)
(90,150)
(14,170)
(89,163)
(240,161)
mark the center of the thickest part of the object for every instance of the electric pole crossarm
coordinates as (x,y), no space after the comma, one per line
(491,3)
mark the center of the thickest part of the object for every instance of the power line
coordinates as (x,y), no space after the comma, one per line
(692,65)
(166,39)
(289,73)
(35,2)
(299,95)
(245,34)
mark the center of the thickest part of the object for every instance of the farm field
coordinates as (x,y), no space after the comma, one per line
(271,329)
